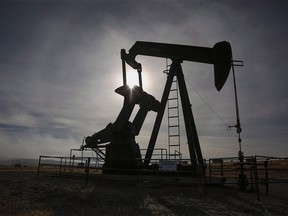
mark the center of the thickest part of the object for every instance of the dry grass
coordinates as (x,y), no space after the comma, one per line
(21,193)
(8,169)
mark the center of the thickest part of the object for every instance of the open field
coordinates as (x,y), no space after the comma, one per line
(22,193)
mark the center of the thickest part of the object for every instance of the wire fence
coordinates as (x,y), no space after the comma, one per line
(252,174)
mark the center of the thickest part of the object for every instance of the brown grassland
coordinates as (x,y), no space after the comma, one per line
(22,193)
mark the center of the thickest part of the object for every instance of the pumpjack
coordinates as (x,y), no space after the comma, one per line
(118,138)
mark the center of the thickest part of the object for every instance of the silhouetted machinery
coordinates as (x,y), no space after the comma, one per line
(122,151)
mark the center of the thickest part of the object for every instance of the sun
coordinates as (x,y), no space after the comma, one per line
(132,78)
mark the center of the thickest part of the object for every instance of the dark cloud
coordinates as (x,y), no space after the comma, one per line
(13,128)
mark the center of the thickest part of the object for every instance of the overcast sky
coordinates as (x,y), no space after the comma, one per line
(60,64)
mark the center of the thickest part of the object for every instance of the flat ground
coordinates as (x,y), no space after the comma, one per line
(22,193)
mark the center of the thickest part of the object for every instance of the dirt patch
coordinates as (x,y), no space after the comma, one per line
(23,193)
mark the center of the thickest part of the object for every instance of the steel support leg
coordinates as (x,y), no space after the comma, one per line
(191,132)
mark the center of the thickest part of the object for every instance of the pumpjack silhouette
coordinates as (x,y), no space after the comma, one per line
(118,138)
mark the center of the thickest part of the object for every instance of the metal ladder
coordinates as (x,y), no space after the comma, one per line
(174,151)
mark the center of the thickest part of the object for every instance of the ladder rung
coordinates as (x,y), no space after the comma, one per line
(174,135)
(174,89)
(174,145)
(174,107)
(173,116)
(173,126)
(173,98)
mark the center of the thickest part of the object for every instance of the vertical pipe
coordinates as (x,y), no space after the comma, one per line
(238,124)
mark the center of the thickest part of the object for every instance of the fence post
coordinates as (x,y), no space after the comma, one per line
(87,170)
(251,176)
(39,163)
(65,164)
(222,167)
(256,177)
(72,163)
(60,166)
(210,171)
(266,176)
